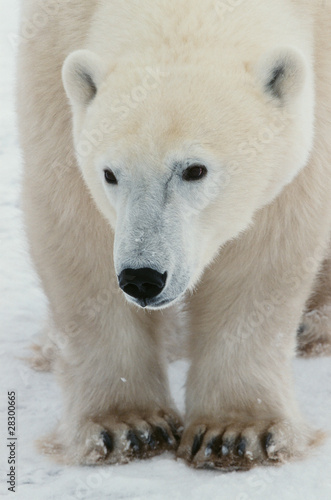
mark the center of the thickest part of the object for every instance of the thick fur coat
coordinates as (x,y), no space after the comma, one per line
(190,139)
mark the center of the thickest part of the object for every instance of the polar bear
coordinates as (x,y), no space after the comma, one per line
(177,166)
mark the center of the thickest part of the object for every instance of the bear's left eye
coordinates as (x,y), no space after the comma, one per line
(110,176)
(194,173)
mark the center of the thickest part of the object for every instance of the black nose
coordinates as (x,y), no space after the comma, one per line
(142,284)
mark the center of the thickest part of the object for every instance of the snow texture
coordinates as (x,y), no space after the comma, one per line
(23,308)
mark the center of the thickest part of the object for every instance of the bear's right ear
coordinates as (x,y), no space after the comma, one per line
(82,73)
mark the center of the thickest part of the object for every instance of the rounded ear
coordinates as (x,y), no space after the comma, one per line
(282,73)
(82,73)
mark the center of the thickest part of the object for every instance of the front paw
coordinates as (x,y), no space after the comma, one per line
(240,446)
(121,438)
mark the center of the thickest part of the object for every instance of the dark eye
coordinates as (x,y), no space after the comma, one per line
(109,176)
(194,173)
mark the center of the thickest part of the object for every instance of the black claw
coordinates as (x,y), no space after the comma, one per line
(135,442)
(209,448)
(174,431)
(158,436)
(144,438)
(213,447)
(227,446)
(165,435)
(197,443)
(224,450)
(268,440)
(151,442)
(107,441)
(241,449)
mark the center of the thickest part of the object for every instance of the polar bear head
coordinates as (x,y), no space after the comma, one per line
(179,159)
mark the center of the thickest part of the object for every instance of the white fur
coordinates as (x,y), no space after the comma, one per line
(152,89)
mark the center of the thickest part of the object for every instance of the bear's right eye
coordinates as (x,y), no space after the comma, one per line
(109,176)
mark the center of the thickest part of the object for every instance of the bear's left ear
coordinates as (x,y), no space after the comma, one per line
(82,73)
(282,73)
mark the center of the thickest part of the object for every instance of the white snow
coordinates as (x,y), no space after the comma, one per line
(23,307)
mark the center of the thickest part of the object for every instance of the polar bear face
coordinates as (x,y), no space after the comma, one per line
(178,160)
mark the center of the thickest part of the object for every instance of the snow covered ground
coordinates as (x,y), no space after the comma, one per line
(22,312)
